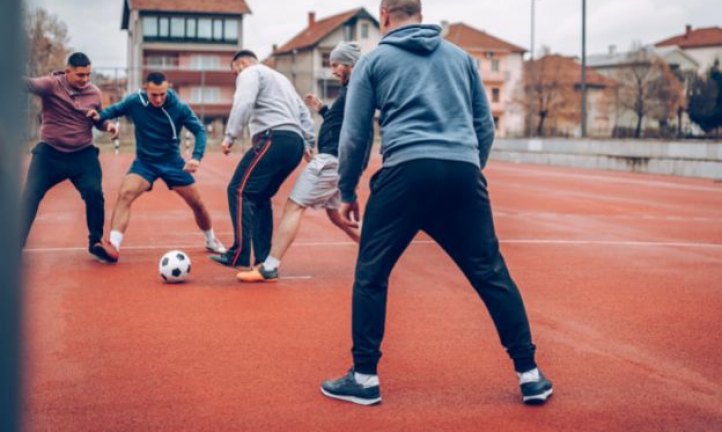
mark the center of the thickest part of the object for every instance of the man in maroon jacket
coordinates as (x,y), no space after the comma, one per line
(66,150)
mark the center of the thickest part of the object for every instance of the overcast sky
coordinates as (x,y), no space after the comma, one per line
(94,25)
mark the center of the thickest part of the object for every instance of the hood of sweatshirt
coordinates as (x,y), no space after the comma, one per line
(170,100)
(421,39)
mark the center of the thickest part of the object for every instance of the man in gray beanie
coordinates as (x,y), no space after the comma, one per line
(317,186)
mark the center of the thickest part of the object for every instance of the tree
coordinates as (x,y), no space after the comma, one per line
(47,42)
(705,99)
(548,92)
(649,88)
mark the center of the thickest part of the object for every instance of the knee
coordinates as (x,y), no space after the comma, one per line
(126,195)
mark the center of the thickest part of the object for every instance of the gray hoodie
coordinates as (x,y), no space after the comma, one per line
(431,99)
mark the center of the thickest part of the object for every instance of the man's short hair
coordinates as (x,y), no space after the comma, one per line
(156,78)
(402,9)
(244,54)
(78,59)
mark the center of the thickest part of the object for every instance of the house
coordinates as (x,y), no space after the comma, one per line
(304,59)
(704,45)
(640,71)
(193,43)
(501,66)
(609,63)
(552,97)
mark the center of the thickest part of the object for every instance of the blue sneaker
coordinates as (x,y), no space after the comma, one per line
(535,388)
(348,389)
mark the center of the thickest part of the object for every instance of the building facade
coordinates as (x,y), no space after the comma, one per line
(704,45)
(192,43)
(304,59)
(501,67)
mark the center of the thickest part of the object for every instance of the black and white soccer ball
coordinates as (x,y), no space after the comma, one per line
(174,267)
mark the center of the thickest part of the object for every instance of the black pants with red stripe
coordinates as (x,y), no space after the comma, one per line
(449,201)
(258,177)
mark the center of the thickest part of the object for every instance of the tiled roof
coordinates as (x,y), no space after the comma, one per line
(471,39)
(204,6)
(314,34)
(568,69)
(697,38)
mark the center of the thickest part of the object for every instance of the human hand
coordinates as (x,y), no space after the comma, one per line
(113,130)
(192,166)
(350,214)
(308,154)
(313,102)
(226,146)
(93,114)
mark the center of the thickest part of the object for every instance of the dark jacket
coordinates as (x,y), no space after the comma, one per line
(158,130)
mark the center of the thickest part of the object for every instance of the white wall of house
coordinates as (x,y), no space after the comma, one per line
(705,56)
(514,112)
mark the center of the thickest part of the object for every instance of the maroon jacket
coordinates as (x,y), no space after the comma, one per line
(65,125)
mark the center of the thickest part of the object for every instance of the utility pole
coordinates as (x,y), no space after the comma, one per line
(532,82)
(584,68)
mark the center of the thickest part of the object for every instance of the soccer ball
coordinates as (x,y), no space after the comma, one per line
(174,267)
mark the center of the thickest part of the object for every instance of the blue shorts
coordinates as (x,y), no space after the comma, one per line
(171,172)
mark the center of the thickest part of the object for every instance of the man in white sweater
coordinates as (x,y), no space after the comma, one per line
(282,132)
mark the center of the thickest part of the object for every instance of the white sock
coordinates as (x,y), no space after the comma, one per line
(529,376)
(366,380)
(271,263)
(210,235)
(116,238)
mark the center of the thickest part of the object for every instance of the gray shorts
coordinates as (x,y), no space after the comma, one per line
(317,186)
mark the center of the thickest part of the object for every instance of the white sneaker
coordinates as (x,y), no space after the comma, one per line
(215,246)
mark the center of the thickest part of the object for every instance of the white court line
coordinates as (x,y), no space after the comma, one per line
(425,242)
(626,180)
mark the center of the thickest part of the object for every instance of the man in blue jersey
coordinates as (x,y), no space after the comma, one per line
(158,115)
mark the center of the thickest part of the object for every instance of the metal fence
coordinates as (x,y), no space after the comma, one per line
(208,91)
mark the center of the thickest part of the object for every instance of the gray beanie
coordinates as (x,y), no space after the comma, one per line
(347,53)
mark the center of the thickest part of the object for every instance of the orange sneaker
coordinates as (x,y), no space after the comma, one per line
(258,274)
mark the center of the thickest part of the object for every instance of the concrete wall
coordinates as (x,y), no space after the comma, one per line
(680,158)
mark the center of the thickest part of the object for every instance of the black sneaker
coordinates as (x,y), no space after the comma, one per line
(535,388)
(104,252)
(226,260)
(346,388)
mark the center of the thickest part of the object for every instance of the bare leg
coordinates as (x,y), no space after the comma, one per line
(335,217)
(287,229)
(132,187)
(192,197)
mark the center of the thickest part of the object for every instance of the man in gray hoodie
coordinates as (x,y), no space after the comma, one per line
(437,132)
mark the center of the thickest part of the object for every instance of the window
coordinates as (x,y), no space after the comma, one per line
(159,61)
(230,32)
(191,29)
(495,65)
(364,31)
(177,28)
(191,26)
(347,33)
(163,27)
(150,26)
(326,59)
(205,62)
(205,28)
(489,55)
(495,95)
(217,30)
(496,123)
(201,95)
